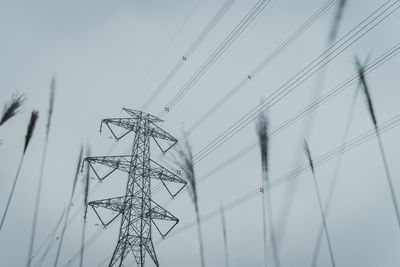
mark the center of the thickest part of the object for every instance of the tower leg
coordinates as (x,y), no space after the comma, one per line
(151,251)
(119,254)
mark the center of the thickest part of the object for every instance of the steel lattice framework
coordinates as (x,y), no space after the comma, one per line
(137,210)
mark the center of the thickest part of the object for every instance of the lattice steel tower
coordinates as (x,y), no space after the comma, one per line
(138,211)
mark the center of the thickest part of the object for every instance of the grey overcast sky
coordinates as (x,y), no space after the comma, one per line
(101,53)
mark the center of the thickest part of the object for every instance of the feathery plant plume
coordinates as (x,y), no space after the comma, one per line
(28,137)
(184,160)
(224,235)
(363,82)
(51,105)
(336,20)
(69,207)
(263,138)
(39,188)
(31,128)
(85,202)
(334,179)
(262,133)
(311,163)
(12,108)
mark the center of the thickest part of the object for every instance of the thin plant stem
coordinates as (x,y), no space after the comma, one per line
(12,192)
(224,235)
(37,203)
(200,238)
(52,239)
(328,239)
(308,153)
(85,202)
(68,210)
(39,188)
(389,178)
(334,181)
(264,228)
(275,252)
(291,190)
(184,159)
(82,243)
(371,110)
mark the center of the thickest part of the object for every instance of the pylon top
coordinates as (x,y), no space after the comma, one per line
(140,114)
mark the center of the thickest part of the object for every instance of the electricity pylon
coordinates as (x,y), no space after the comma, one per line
(138,211)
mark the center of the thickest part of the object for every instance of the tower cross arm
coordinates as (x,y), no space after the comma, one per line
(121,163)
(159,213)
(130,124)
(159,133)
(161,173)
(114,204)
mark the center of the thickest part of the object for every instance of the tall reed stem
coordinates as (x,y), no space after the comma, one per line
(39,188)
(12,192)
(328,239)
(334,180)
(264,227)
(224,235)
(371,110)
(37,203)
(28,137)
(68,209)
(389,178)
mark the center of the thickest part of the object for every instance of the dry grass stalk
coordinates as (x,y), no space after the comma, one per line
(28,137)
(262,132)
(85,202)
(224,235)
(87,179)
(51,239)
(39,188)
(311,163)
(319,85)
(334,179)
(184,160)
(364,84)
(69,207)
(12,108)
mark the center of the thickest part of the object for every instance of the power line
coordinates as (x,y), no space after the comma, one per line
(332,93)
(192,48)
(164,51)
(340,87)
(317,103)
(359,31)
(226,43)
(265,62)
